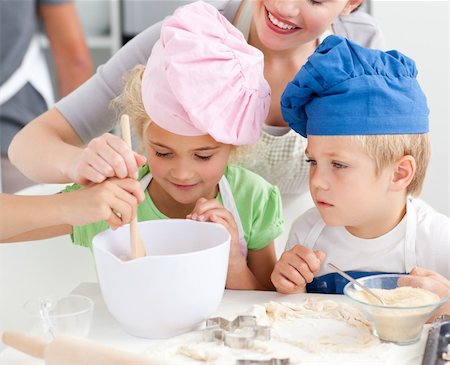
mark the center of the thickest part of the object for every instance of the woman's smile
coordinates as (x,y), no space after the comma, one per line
(280,25)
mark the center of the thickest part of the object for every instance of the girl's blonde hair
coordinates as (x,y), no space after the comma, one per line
(386,149)
(130,102)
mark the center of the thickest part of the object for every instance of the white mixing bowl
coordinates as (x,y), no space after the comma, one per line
(173,289)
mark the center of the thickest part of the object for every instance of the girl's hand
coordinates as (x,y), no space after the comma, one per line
(212,211)
(104,157)
(114,201)
(296,268)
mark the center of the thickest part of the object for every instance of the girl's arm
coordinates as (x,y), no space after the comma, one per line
(24,218)
(261,263)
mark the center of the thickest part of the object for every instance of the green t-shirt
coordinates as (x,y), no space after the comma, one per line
(257,201)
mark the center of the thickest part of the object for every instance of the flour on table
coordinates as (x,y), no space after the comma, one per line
(314,329)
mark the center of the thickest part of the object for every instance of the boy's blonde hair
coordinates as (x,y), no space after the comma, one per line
(130,102)
(386,149)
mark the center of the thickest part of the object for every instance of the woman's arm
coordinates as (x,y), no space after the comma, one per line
(20,214)
(24,218)
(49,149)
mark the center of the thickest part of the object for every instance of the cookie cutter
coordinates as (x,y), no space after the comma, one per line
(272,361)
(240,333)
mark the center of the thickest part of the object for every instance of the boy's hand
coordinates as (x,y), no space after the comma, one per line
(432,281)
(296,268)
(114,201)
(212,211)
(104,157)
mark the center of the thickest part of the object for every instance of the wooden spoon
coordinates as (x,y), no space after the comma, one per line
(137,244)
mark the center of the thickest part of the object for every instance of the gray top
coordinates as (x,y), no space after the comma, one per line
(87,108)
(19,22)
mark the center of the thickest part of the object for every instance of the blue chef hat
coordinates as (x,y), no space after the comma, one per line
(346,89)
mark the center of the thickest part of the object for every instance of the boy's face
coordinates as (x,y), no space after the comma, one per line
(344,184)
(185,168)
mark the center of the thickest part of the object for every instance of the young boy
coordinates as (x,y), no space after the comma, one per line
(366,120)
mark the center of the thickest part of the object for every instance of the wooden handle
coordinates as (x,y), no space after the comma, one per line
(137,245)
(66,350)
(29,345)
(125,129)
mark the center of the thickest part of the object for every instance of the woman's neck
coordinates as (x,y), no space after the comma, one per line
(280,67)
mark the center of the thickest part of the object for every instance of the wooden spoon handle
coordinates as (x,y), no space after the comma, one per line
(137,245)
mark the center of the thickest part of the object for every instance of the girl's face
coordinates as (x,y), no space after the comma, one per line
(184,168)
(344,184)
(287,24)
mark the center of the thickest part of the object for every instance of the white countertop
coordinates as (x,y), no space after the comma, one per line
(106,330)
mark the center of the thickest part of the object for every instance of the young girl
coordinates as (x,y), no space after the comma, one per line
(188,137)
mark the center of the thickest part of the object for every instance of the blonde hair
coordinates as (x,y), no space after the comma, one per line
(386,149)
(130,102)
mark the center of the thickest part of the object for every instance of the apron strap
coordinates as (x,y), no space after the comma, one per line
(145,181)
(410,236)
(230,204)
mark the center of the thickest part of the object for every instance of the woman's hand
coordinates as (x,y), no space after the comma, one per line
(104,157)
(296,268)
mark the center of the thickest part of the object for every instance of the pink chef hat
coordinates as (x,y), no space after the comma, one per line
(204,78)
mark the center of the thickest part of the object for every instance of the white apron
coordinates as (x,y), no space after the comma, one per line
(322,283)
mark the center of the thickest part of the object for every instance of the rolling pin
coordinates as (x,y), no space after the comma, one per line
(65,350)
